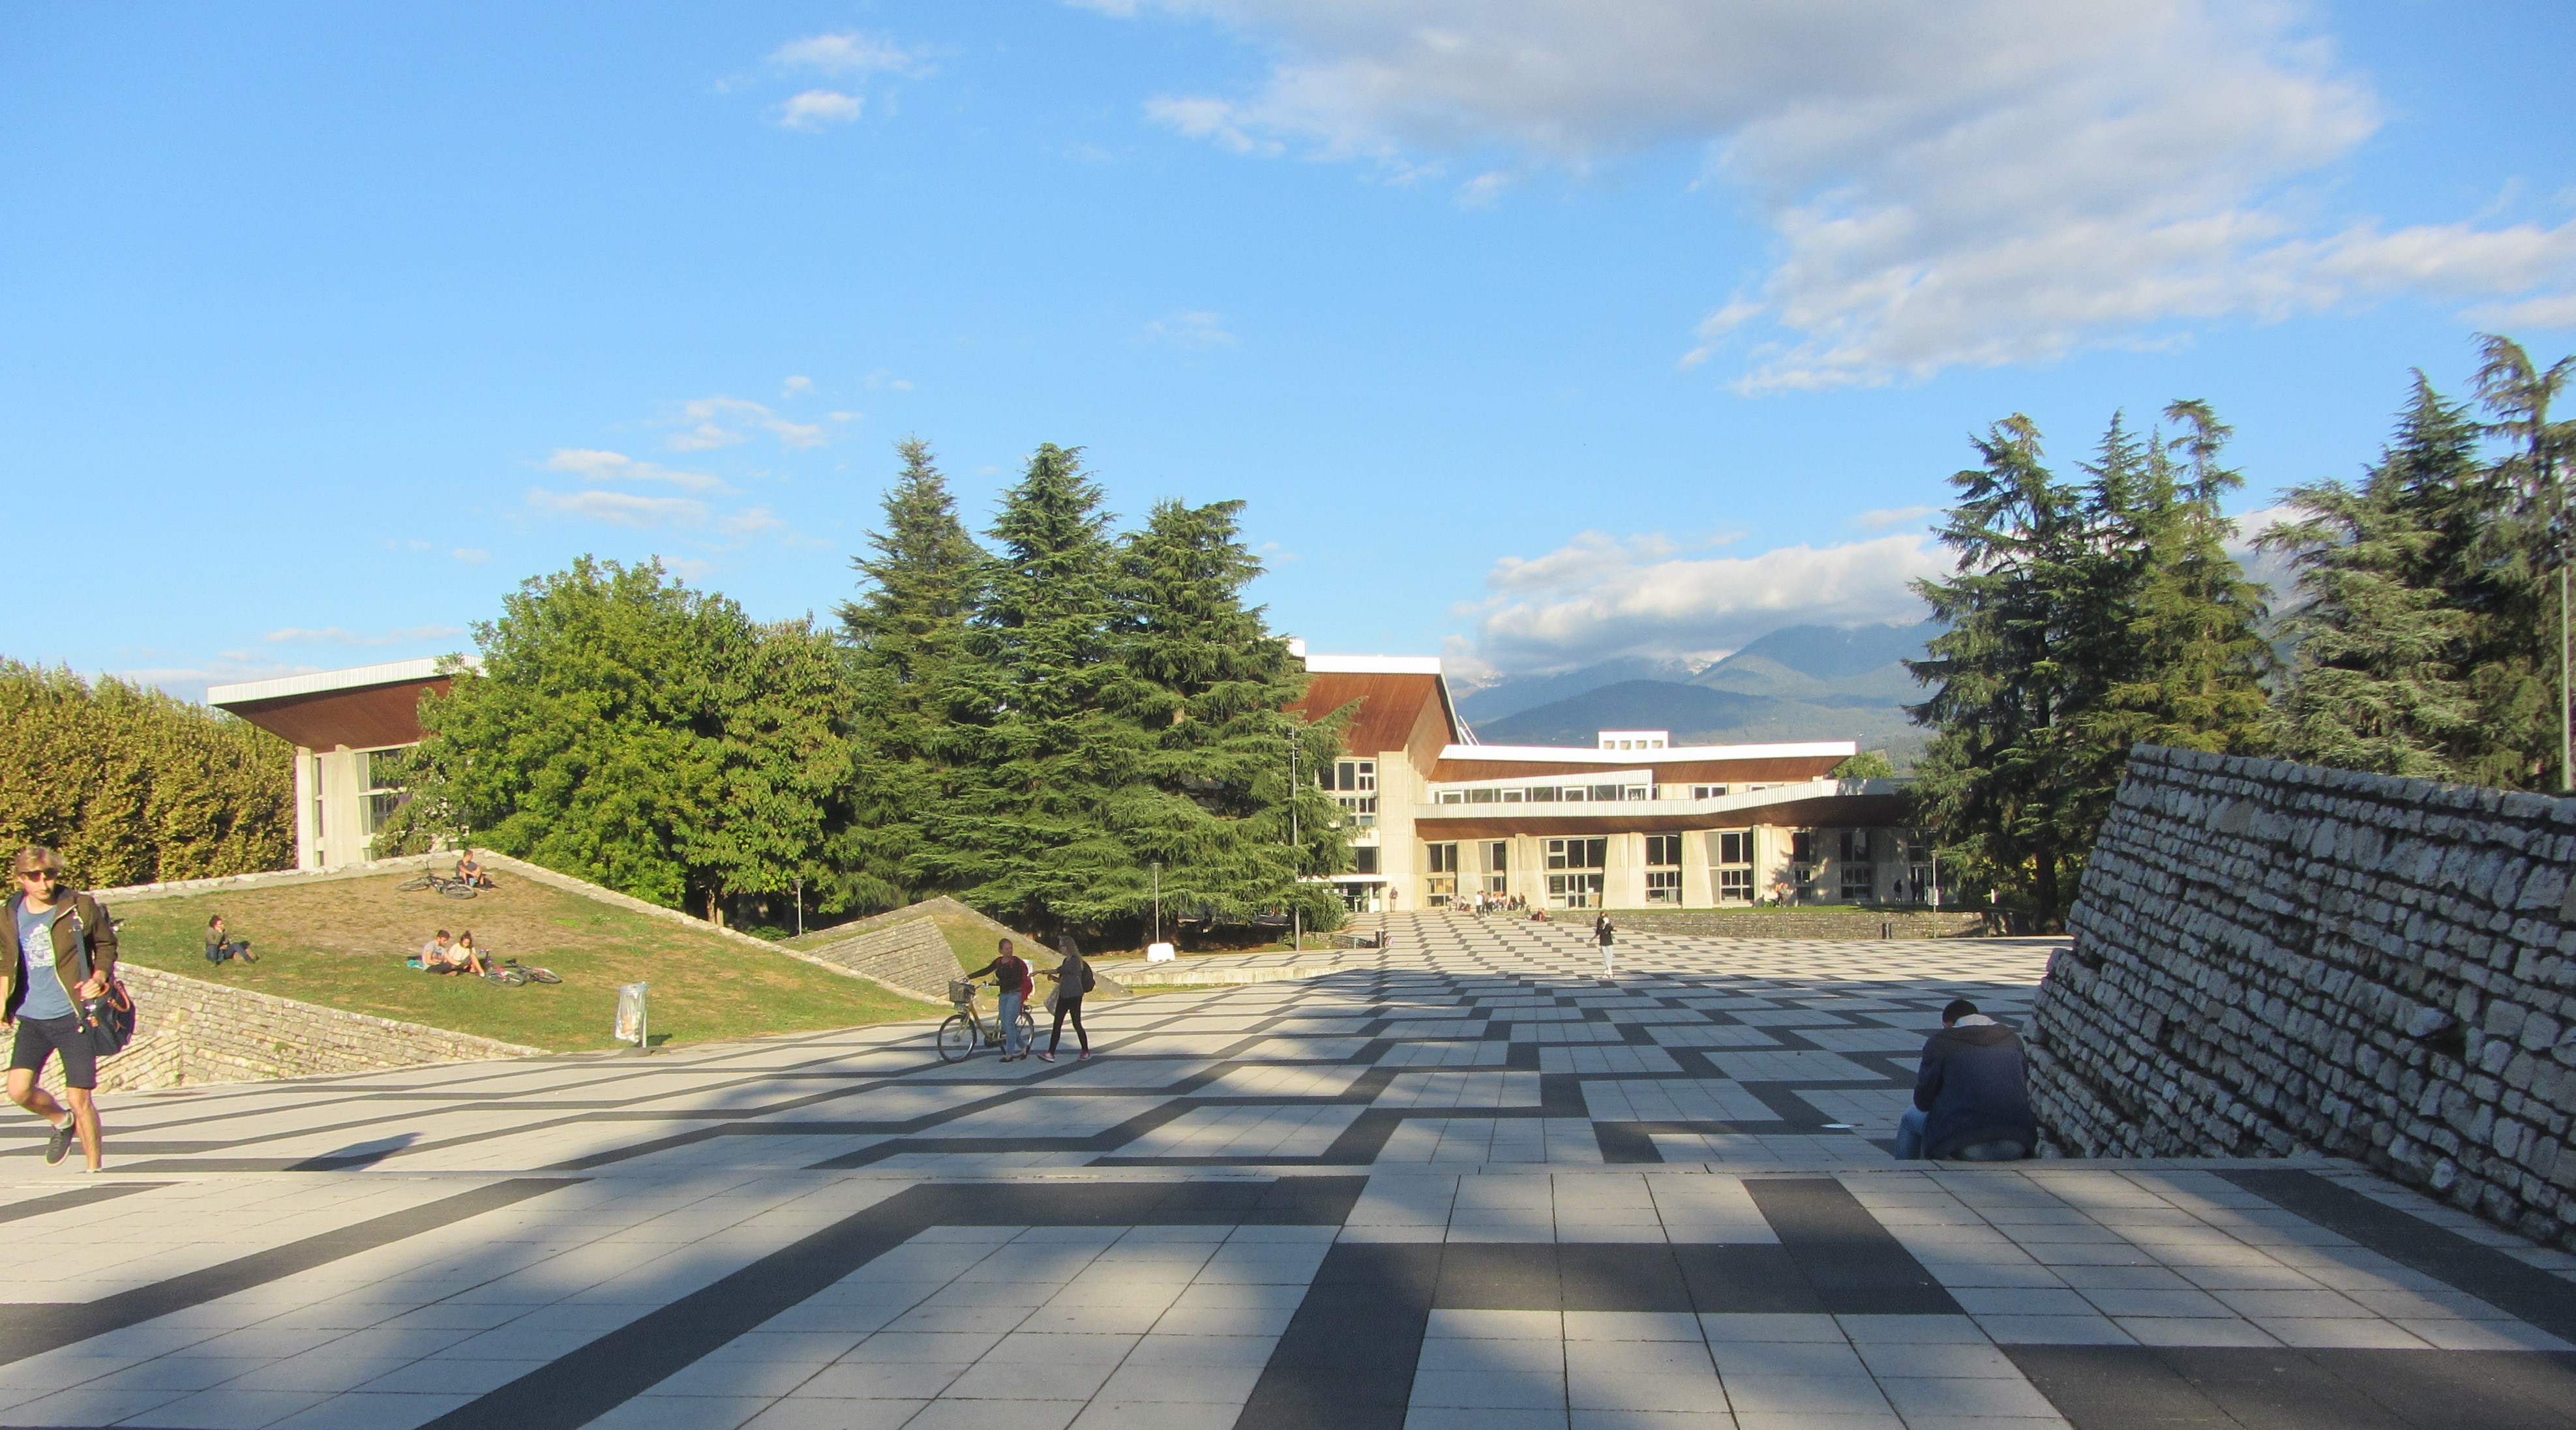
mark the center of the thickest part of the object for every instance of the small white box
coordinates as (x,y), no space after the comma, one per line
(1160,953)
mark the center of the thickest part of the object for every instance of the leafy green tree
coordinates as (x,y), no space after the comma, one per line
(136,787)
(2518,657)
(1867,765)
(923,579)
(1207,686)
(631,731)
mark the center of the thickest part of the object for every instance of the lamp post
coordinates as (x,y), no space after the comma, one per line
(1158,901)
(1296,912)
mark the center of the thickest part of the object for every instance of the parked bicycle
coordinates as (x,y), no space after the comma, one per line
(966,1030)
(452,888)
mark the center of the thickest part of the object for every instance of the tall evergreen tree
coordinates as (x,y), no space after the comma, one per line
(1025,833)
(2191,664)
(2518,656)
(2383,633)
(2009,780)
(1208,688)
(907,630)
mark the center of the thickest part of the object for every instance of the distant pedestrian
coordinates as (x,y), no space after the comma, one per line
(66,950)
(1971,1099)
(1011,973)
(221,947)
(1072,979)
(1607,934)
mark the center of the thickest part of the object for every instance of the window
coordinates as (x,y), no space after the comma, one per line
(1709,791)
(1803,860)
(1355,775)
(1443,865)
(1364,860)
(1483,796)
(1734,863)
(1578,853)
(1498,867)
(1860,883)
(1574,891)
(1856,845)
(1545,795)
(380,774)
(1663,868)
(1358,810)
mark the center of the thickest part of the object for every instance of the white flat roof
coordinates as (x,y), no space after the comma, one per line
(1586,755)
(354,678)
(1373,665)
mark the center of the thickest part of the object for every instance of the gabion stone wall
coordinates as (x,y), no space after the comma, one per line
(2271,958)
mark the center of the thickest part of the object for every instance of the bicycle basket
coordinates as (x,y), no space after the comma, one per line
(961,990)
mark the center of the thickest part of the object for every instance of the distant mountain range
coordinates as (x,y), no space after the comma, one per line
(1799,683)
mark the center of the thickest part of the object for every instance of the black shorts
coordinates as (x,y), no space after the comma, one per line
(41,1038)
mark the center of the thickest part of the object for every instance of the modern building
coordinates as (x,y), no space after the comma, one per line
(341,723)
(1632,821)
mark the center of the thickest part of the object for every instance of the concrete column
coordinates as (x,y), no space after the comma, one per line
(308,839)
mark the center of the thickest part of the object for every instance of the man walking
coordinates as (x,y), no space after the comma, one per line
(1603,930)
(1011,973)
(66,949)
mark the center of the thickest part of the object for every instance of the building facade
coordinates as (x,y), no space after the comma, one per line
(1437,819)
(342,724)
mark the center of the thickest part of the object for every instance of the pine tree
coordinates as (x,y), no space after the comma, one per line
(2382,633)
(2518,653)
(1208,687)
(1026,832)
(2012,780)
(2193,658)
(907,631)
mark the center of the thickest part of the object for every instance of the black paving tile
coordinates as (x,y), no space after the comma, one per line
(1855,1266)
(2517,1288)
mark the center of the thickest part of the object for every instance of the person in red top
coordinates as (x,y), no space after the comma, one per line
(1012,972)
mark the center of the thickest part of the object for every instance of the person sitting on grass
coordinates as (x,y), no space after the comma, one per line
(468,957)
(433,954)
(469,870)
(220,948)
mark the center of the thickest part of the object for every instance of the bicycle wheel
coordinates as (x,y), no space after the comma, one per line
(542,975)
(412,886)
(1028,1031)
(509,977)
(457,891)
(956,1039)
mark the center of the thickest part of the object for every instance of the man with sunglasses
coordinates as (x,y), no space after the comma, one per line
(66,950)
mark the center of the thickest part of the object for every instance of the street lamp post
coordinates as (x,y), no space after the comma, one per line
(1158,901)
(1296,911)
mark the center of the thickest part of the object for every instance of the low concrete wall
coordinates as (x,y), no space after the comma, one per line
(2274,959)
(911,953)
(190,1031)
(1829,922)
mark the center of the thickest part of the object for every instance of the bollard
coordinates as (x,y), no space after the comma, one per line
(1887,928)
(632,1025)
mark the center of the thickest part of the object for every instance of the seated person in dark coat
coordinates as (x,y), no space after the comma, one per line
(1970,1101)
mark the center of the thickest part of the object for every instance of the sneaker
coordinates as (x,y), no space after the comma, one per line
(1086,1056)
(60,1144)
(1046,1057)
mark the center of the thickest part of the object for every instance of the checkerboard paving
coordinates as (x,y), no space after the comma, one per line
(1457,1180)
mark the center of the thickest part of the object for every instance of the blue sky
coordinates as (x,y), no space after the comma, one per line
(1529,335)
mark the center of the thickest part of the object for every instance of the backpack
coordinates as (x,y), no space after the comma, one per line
(1088,982)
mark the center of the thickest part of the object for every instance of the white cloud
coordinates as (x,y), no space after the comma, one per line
(712,422)
(334,635)
(597,466)
(849,53)
(752,522)
(687,568)
(819,108)
(621,508)
(1882,518)
(2556,310)
(1191,331)
(472,555)
(796,387)
(1980,183)
(1597,597)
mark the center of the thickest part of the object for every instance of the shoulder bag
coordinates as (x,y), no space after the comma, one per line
(108,1019)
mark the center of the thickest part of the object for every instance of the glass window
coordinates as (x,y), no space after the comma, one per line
(1735,886)
(1546,795)
(1605,791)
(1498,857)
(1856,844)
(1734,847)
(1578,853)
(1482,796)
(1860,885)
(1364,860)
(1664,849)
(1357,775)
(1663,886)
(1444,858)
(1708,791)
(1574,891)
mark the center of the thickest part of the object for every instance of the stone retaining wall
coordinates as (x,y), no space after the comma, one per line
(911,954)
(2271,959)
(192,1032)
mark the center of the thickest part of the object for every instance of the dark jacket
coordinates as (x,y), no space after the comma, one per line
(1971,1083)
(67,958)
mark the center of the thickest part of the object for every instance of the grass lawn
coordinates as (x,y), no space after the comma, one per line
(342,944)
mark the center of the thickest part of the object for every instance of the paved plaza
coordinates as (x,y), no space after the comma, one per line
(1459,1181)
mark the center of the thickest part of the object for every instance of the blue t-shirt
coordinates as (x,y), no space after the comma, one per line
(46,997)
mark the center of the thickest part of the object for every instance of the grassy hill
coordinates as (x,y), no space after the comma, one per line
(342,943)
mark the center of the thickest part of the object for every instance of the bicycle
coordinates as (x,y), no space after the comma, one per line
(513,974)
(451,887)
(965,1030)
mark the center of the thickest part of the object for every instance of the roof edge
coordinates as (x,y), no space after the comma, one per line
(320,682)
